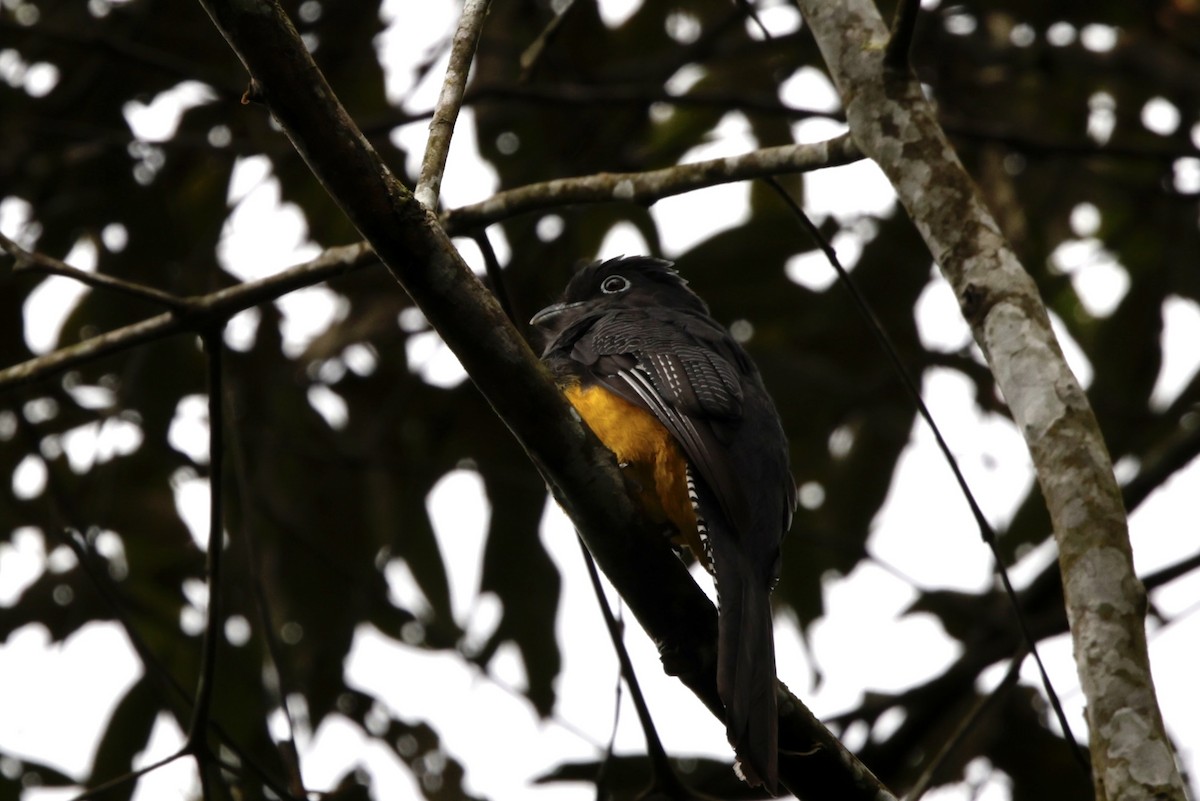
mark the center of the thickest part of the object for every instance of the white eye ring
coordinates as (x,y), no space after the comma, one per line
(614,284)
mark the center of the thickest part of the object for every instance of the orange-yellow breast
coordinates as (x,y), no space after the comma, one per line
(653,459)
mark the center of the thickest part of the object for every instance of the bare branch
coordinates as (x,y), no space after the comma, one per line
(664,782)
(896,126)
(968,722)
(647,187)
(441,127)
(904,25)
(201,311)
(197,734)
(533,54)
(100,790)
(751,13)
(33,260)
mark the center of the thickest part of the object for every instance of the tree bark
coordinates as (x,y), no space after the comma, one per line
(893,123)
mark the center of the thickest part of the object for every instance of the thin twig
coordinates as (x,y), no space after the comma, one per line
(904,25)
(274,653)
(445,113)
(33,260)
(610,747)
(747,8)
(969,721)
(665,781)
(647,187)
(100,789)
(202,311)
(1171,572)
(532,56)
(197,740)
(986,532)
(496,276)
(1174,453)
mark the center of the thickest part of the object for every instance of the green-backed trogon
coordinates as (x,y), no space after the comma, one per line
(684,410)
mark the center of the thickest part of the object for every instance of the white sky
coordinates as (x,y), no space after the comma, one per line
(484,723)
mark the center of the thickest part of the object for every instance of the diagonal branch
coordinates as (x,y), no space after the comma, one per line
(894,124)
(532,56)
(445,113)
(580,473)
(963,729)
(200,312)
(33,260)
(647,187)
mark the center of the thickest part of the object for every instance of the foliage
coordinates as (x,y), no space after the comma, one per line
(319,506)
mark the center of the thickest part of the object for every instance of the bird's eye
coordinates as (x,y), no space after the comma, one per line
(614,284)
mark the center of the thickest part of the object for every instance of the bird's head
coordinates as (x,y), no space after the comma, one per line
(623,282)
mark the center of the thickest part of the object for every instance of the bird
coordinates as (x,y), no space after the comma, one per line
(684,410)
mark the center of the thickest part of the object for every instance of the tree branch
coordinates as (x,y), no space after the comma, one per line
(532,56)
(197,733)
(193,313)
(895,125)
(964,727)
(647,187)
(200,312)
(580,473)
(445,113)
(904,25)
(33,260)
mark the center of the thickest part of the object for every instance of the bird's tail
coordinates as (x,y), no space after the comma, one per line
(746,663)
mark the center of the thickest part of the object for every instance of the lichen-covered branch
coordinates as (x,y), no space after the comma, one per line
(895,125)
(647,187)
(445,113)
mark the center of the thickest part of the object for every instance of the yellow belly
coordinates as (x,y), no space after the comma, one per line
(652,458)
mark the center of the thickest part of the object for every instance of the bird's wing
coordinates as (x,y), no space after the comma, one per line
(662,362)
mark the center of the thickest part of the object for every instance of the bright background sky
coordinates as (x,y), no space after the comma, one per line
(483,721)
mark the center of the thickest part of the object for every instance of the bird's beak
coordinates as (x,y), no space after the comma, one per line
(550,312)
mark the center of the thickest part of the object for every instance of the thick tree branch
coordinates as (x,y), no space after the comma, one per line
(893,123)
(445,113)
(647,187)
(579,471)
